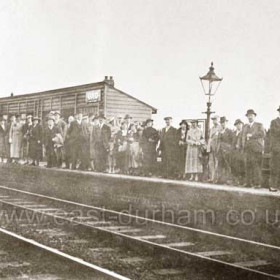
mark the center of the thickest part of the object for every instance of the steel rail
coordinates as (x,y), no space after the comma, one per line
(99,269)
(146,219)
(138,240)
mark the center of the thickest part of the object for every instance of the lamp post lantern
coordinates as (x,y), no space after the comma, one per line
(210,84)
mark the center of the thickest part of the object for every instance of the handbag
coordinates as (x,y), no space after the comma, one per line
(123,147)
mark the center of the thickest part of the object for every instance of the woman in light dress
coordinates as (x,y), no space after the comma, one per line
(195,143)
(133,149)
(16,138)
(121,147)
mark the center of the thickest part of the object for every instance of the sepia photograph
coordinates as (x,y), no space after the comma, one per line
(139,140)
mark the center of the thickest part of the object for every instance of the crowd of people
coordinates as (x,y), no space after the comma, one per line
(126,146)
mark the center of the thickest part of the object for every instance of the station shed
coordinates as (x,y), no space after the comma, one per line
(94,98)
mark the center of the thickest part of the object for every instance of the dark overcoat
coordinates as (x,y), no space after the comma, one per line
(182,150)
(100,144)
(48,135)
(35,142)
(255,143)
(149,143)
(275,136)
(275,153)
(4,141)
(75,133)
(237,156)
(253,147)
(169,150)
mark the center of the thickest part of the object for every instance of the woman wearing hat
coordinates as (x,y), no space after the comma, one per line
(35,142)
(193,159)
(133,150)
(182,135)
(121,147)
(15,139)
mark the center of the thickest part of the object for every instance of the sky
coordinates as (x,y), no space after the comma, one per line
(155,50)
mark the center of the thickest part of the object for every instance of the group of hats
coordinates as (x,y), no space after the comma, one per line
(249,112)
(238,121)
(51,115)
(24,117)
(31,117)
(222,119)
(183,122)
(95,117)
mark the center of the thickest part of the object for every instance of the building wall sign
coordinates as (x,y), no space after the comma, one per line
(93,96)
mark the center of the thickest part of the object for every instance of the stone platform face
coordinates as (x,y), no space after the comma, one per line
(243,213)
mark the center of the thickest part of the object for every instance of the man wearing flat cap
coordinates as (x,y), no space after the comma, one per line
(224,151)
(212,148)
(275,153)
(169,149)
(253,144)
(149,143)
(237,156)
(128,120)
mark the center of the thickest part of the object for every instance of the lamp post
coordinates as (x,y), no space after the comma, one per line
(210,84)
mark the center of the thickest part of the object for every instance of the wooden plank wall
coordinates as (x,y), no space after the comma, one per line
(114,104)
(118,104)
(42,104)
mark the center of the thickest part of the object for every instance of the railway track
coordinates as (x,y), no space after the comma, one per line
(136,247)
(22,258)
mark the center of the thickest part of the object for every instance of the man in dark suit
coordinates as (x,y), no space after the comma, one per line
(67,146)
(237,157)
(253,145)
(149,143)
(50,133)
(26,131)
(61,124)
(85,157)
(76,139)
(169,149)
(223,152)
(35,142)
(275,153)
(101,135)
(4,139)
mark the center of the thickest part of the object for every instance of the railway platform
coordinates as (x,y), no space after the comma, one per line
(235,211)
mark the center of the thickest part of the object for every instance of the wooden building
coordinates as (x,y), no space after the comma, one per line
(100,97)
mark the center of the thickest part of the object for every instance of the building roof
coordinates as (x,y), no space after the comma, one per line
(54,91)
(72,89)
(122,92)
